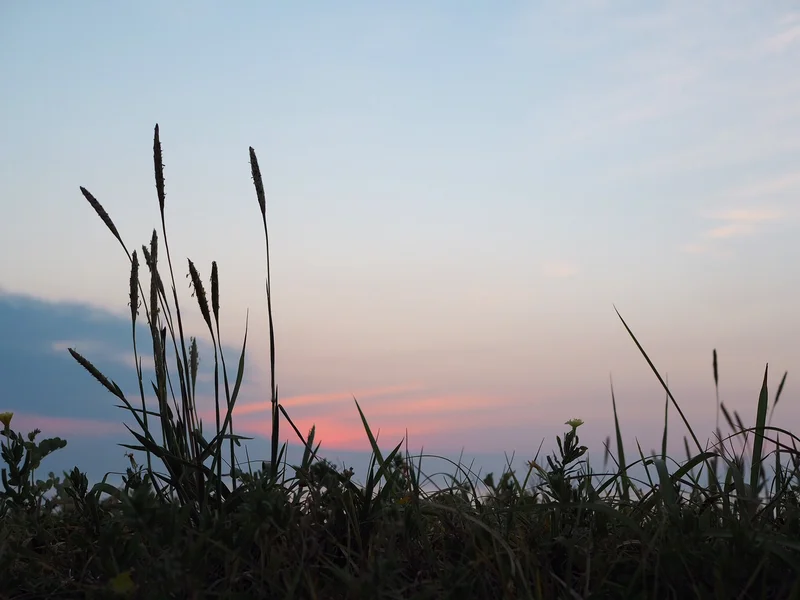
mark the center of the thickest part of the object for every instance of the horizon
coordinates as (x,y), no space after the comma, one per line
(457,200)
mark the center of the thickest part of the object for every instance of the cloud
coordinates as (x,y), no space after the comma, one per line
(737,223)
(559,269)
(733,224)
(788,36)
(743,222)
(785,183)
(766,133)
(64,426)
(679,64)
(323,398)
(41,378)
(428,421)
(97,347)
(392,409)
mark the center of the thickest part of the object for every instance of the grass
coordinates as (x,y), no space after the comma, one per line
(192,522)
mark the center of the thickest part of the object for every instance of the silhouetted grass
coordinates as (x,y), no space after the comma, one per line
(200,526)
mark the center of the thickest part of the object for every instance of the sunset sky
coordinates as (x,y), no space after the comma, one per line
(459,193)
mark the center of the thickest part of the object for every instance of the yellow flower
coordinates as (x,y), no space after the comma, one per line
(574,423)
(5,419)
(123,583)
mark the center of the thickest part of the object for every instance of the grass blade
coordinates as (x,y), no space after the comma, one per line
(655,371)
(758,442)
(620,447)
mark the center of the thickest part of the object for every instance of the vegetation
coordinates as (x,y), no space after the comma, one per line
(190,522)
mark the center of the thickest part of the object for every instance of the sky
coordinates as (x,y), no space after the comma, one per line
(459,195)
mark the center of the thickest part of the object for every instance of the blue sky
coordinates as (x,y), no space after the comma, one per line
(458,194)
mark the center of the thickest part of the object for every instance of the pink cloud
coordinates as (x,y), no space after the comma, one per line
(332,432)
(429,421)
(741,222)
(323,398)
(735,223)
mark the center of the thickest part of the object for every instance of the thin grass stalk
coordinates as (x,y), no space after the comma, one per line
(215,311)
(155,335)
(158,294)
(778,395)
(154,306)
(104,216)
(646,463)
(158,340)
(664,385)
(262,203)
(229,401)
(134,302)
(236,387)
(176,444)
(624,492)
(716,381)
(758,442)
(202,301)
(186,392)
